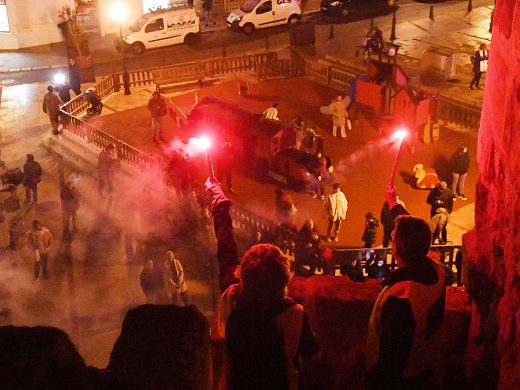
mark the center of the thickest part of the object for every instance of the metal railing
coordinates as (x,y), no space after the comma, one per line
(458,113)
(278,69)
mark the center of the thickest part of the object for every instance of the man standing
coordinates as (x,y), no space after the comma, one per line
(459,166)
(271,112)
(51,106)
(32,175)
(175,274)
(108,166)
(39,241)
(339,117)
(336,207)
(207,10)
(480,64)
(69,204)
(152,282)
(158,109)
(74,77)
(405,324)
(441,197)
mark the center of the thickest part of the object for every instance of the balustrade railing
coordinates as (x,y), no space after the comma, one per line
(458,113)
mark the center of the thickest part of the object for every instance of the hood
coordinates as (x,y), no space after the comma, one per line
(236,14)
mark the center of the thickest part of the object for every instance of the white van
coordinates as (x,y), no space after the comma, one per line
(161,28)
(256,14)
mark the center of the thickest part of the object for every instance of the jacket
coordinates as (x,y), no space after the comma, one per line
(459,162)
(51,104)
(157,107)
(336,206)
(480,64)
(32,173)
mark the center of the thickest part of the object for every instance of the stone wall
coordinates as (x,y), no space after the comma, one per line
(493,248)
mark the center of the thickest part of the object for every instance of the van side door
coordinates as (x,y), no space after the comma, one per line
(264,14)
(282,10)
(155,33)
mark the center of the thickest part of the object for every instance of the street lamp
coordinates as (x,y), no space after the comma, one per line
(119,14)
(400,135)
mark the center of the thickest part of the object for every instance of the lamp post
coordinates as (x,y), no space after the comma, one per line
(119,13)
(400,135)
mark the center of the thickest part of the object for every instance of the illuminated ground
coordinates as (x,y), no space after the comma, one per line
(363,162)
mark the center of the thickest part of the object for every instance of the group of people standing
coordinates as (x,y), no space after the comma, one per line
(164,283)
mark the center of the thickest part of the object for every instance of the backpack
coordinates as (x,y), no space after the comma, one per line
(256,349)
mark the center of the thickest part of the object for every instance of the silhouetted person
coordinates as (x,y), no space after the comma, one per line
(69,205)
(254,316)
(353,270)
(108,167)
(32,175)
(459,166)
(307,249)
(404,327)
(480,65)
(370,232)
(74,76)
(151,280)
(158,110)
(378,269)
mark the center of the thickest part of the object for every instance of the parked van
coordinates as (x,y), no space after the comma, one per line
(256,14)
(161,28)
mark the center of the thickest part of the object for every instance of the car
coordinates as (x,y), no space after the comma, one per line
(348,7)
(257,14)
(297,168)
(161,28)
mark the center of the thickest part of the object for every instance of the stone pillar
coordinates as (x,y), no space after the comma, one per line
(493,248)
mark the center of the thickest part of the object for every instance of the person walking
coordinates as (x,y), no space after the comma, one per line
(480,65)
(339,117)
(51,107)
(32,175)
(151,280)
(175,275)
(336,207)
(271,112)
(69,205)
(74,77)
(459,166)
(208,4)
(158,109)
(405,324)
(40,240)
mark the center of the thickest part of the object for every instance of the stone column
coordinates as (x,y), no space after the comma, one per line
(493,248)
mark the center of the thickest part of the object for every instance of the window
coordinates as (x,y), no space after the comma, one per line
(4,19)
(153,5)
(154,25)
(264,7)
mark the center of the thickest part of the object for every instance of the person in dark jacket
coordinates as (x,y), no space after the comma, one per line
(405,324)
(307,249)
(158,109)
(459,166)
(74,76)
(208,4)
(32,175)
(353,270)
(256,292)
(152,282)
(378,269)
(108,166)
(441,197)
(480,65)
(388,222)
(69,205)
(370,232)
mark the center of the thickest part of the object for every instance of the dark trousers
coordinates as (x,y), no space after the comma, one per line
(41,265)
(31,193)
(476,79)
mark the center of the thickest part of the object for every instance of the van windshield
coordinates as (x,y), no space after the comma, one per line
(138,24)
(249,5)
